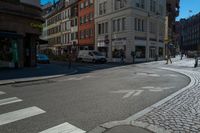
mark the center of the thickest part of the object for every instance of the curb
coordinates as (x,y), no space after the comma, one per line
(17,81)
(130,121)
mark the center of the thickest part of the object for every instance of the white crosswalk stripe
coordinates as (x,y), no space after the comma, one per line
(1,93)
(9,100)
(63,128)
(20,114)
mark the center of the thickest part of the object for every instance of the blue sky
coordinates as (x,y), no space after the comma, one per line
(185,6)
(45,1)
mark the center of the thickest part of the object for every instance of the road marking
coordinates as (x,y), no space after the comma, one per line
(19,115)
(9,100)
(129,93)
(63,128)
(147,74)
(156,89)
(1,93)
(171,75)
(76,78)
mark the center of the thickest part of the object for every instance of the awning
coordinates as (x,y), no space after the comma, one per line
(41,42)
(10,35)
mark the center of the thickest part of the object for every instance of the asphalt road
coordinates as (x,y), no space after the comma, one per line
(95,95)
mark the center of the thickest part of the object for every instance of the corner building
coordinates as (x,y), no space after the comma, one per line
(130,26)
(20,28)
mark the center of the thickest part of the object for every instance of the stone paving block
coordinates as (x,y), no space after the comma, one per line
(181,113)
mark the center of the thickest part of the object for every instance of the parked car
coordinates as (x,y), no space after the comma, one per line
(91,56)
(42,59)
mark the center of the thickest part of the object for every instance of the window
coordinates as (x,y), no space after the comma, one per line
(152,5)
(120,4)
(81,6)
(106,27)
(152,27)
(119,24)
(160,9)
(103,28)
(102,8)
(139,24)
(140,4)
(114,25)
(140,52)
(91,2)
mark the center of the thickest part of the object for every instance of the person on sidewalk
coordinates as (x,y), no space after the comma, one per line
(133,56)
(122,55)
(169,56)
(69,57)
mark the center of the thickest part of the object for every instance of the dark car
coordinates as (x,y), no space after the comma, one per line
(42,59)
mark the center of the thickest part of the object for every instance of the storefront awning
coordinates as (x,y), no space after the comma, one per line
(10,35)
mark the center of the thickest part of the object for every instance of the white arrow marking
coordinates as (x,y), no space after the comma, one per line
(151,88)
(129,93)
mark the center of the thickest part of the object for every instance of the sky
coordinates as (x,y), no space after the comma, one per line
(45,1)
(185,6)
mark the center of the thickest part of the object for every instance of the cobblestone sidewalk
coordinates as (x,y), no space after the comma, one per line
(179,113)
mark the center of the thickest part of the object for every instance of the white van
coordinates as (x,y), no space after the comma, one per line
(91,56)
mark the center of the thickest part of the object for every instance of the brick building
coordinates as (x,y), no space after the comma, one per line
(86,25)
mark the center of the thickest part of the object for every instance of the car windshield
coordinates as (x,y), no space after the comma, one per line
(97,53)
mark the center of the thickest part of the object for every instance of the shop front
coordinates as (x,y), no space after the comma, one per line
(9,50)
(118,49)
(102,47)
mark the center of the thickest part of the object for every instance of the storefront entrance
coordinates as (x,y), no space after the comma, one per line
(9,51)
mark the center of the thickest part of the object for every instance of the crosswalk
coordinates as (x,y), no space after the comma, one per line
(28,112)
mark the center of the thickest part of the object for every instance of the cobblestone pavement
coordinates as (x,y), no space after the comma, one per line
(180,113)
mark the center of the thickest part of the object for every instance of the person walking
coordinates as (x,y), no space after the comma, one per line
(169,57)
(69,57)
(133,56)
(122,55)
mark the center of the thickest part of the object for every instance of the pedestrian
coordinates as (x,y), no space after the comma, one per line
(181,55)
(168,57)
(122,55)
(69,57)
(133,56)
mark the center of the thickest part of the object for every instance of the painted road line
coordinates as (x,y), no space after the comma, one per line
(20,114)
(128,93)
(1,93)
(9,100)
(63,128)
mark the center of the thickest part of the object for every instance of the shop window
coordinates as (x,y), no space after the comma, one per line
(152,52)
(118,51)
(140,52)
(8,50)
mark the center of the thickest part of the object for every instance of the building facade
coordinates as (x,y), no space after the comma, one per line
(61,26)
(172,11)
(134,27)
(86,26)
(20,28)
(189,33)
